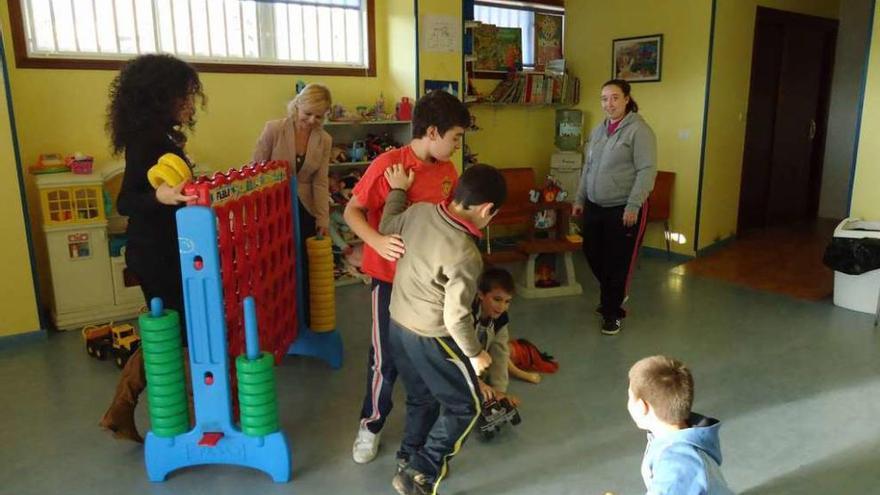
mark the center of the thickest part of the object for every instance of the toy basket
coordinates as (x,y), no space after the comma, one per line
(81,165)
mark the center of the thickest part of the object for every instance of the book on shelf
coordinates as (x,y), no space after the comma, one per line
(556,66)
(536,88)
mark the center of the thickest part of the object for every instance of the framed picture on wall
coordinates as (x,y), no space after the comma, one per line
(637,59)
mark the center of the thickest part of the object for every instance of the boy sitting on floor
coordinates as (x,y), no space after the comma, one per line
(495,290)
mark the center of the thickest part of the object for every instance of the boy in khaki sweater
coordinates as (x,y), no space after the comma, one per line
(433,340)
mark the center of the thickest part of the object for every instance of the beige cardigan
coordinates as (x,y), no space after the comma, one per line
(278,142)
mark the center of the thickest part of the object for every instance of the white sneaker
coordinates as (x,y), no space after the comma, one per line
(366,445)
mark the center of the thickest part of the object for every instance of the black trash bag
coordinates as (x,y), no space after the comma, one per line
(853,256)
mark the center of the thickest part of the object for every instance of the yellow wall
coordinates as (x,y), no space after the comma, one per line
(440,66)
(63,110)
(511,135)
(728,107)
(443,66)
(18,305)
(673,107)
(866,188)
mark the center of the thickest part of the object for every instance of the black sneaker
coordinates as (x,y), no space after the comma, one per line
(598,312)
(611,326)
(411,482)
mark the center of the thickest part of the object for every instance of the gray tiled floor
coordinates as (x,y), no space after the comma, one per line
(796,384)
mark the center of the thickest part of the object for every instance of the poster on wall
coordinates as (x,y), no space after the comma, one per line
(548,39)
(450,87)
(497,49)
(637,59)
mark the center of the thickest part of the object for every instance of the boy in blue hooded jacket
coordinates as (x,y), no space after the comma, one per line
(683,456)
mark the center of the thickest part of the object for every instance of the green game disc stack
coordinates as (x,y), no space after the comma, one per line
(166,379)
(256,395)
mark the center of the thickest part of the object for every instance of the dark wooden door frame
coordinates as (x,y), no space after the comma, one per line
(759,138)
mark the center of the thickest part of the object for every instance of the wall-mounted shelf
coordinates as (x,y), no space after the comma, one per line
(345,133)
(364,122)
(501,104)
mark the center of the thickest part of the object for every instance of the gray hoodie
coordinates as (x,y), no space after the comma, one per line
(686,462)
(619,169)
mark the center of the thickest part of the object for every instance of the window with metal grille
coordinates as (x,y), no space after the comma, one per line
(512,14)
(317,34)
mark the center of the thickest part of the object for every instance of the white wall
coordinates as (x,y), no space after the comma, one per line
(849,61)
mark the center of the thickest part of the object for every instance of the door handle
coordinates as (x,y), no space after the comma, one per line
(812,129)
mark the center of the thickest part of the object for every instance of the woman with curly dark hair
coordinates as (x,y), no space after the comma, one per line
(152,103)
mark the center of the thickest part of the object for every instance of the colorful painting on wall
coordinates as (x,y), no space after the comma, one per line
(637,59)
(548,39)
(497,49)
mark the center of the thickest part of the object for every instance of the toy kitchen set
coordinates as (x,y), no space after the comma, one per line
(85,243)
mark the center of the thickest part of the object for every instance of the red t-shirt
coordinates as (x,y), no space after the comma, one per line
(433,183)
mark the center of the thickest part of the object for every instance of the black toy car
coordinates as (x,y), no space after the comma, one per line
(495,414)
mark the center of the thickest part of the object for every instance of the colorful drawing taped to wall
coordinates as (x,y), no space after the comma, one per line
(637,59)
(442,33)
(548,39)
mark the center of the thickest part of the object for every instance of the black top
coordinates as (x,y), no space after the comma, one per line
(300,161)
(151,224)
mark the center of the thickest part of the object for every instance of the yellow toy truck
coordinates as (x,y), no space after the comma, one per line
(119,340)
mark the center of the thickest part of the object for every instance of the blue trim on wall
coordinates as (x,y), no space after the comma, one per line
(21,189)
(418,72)
(463,78)
(705,127)
(10,341)
(657,253)
(715,246)
(862,88)
(467,14)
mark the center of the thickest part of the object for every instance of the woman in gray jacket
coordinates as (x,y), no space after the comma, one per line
(618,176)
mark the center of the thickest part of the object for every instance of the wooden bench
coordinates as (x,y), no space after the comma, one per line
(516,211)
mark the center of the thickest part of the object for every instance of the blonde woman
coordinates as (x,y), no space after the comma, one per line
(300,139)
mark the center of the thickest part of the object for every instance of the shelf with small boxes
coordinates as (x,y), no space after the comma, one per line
(355,144)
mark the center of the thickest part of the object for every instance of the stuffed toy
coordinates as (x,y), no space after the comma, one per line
(341,187)
(550,192)
(338,155)
(545,219)
(526,356)
(545,271)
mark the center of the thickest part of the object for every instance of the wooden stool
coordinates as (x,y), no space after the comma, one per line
(557,243)
(569,285)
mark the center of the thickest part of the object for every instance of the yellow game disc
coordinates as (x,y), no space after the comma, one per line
(170,169)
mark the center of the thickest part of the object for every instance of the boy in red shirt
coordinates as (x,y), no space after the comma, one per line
(439,120)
